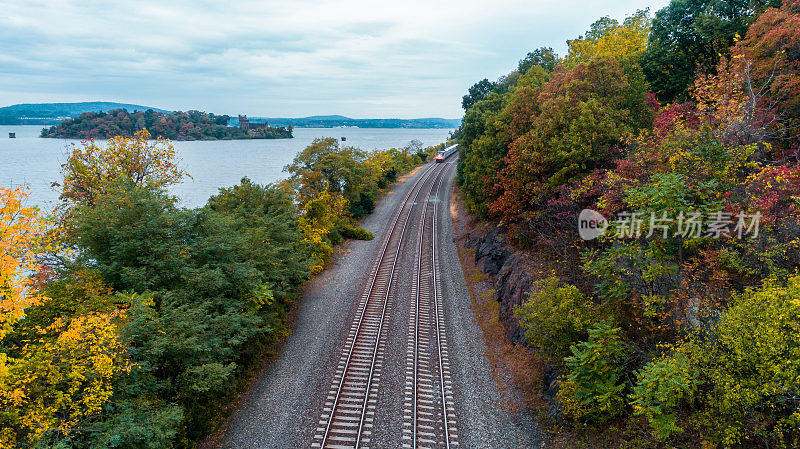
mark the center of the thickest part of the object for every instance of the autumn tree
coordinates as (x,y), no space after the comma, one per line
(62,381)
(585,114)
(772,49)
(689,329)
(94,169)
(61,373)
(736,104)
(22,237)
(607,38)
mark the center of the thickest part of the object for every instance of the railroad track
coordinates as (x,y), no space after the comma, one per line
(429,416)
(349,409)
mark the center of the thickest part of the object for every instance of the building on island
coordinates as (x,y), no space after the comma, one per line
(245,124)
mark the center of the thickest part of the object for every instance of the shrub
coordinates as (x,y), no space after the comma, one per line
(355,232)
(750,366)
(662,385)
(363,203)
(742,372)
(554,316)
(591,390)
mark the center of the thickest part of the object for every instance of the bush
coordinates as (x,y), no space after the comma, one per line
(750,365)
(591,389)
(354,232)
(743,372)
(363,203)
(554,316)
(661,386)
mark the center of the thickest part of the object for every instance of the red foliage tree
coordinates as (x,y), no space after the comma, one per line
(773,45)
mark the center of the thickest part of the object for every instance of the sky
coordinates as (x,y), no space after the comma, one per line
(291,58)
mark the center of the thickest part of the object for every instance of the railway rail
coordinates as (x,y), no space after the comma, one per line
(429,415)
(348,414)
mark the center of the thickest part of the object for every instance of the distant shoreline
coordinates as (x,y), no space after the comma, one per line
(49,114)
(205,139)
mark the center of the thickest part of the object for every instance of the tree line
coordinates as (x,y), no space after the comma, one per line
(663,336)
(127,321)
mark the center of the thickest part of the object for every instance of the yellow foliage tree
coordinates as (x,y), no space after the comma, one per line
(383,161)
(731,101)
(92,169)
(607,38)
(317,218)
(22,233)
(380,161)
(62,381)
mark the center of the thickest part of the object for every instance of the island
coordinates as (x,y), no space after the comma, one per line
(190,125)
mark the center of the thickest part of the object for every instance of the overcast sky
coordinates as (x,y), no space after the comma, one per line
(288,58)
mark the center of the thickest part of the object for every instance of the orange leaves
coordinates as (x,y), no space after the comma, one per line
(721,97)
(93,170)
(736,104)
(21,238)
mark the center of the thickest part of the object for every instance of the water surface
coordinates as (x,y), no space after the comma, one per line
(36,162)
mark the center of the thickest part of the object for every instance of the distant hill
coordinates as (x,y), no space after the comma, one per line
(54,113)
(325,118)
(333,121)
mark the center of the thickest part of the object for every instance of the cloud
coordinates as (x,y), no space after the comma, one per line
(360,58)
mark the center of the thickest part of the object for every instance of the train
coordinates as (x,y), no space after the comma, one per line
(441,155)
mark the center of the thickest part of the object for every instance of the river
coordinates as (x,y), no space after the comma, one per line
(36,162)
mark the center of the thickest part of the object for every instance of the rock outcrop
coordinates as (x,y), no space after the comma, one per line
(512,279)
(508,270)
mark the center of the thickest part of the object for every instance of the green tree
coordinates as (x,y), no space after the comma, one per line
(688,36)
(477,92)
(213,284)
(544,57)
(326,166)
(483,147)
